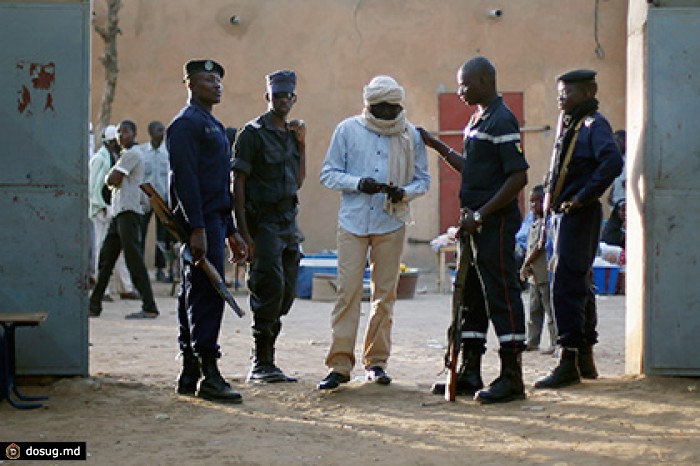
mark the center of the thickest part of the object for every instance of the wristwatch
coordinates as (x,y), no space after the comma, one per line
(477,217)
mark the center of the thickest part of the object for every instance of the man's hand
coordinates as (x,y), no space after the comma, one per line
(467,224)
(299,129)
(369,185)
(525,272)
(569,206)
(198,244)
(395,194)
(238,248)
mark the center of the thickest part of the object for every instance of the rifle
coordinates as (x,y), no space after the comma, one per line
(454,332)
(180,233)
(549,183)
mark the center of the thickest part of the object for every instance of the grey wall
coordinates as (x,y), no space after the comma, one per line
(44,85)
(663,319)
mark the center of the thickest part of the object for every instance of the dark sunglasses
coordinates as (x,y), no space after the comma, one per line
(283,95)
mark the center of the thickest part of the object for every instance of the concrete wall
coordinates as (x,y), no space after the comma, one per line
(338,46)
(663,161)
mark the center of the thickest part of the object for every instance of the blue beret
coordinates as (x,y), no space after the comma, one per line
(202,66)
(281,81)
(577,76)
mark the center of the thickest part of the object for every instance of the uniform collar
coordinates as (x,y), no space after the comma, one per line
(492,106)
(267,123)
(199,106)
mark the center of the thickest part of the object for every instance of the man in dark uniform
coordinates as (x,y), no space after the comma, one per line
(269,168)
(493,171)
(587,162)
(200,192)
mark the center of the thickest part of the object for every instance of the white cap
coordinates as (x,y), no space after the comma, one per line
(109,134)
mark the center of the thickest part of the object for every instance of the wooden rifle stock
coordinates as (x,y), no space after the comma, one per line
(454,333)
(179,232)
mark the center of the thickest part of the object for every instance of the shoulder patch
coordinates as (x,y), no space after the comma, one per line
(589,121)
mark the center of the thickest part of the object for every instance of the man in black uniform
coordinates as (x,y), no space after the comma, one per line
(588,160)
(269,168)
(493,171)
(200,192)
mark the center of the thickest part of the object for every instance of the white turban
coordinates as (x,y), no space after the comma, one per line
(383,89)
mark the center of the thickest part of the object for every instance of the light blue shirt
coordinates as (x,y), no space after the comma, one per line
(356,152)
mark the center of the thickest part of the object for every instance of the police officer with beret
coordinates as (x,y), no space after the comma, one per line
(587,160)
(200,192)
(269,168)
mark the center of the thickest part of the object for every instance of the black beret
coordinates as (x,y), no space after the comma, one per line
(201,66)
(577,76)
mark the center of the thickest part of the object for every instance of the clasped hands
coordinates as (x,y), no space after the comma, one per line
(371,186)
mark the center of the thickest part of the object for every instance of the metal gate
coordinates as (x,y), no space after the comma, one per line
(44,86)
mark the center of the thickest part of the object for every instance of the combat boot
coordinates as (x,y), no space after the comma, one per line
(468,377)
(190,373)
(586,363)
(565,374)
(213,387)
(263,369)
(509,384)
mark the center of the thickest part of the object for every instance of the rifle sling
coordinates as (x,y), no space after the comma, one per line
(565,165)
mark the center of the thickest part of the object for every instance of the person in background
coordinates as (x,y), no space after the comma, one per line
(157,170)
(124,232)
(535,270)
(617,190)
(378,162)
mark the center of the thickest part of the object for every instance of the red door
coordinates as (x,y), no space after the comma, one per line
(454,116)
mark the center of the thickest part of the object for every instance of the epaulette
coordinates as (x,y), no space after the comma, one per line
(589,121)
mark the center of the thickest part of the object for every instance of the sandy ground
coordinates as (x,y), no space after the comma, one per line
(128,413)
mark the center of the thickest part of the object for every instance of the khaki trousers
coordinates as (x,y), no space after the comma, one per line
(384,260)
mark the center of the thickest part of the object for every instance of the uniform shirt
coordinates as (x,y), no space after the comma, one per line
(157,167)
(270,159)
(595,162)
(492,152)
(100,163)
(128,196)
(356,152)
(200,158)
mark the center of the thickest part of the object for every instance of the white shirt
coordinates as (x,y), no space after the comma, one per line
(128,196)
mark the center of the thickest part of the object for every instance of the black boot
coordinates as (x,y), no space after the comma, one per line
(509,385)
(565,374)
(190,373)
(213,387)
(468,377)
(586,363)
(263,369)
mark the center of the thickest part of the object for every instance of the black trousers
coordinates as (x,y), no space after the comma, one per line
(492,289)
(162,236)
(123,234)
(200,309)
(273,276)
(573,295)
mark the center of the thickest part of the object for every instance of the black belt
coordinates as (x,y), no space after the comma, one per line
(282,205)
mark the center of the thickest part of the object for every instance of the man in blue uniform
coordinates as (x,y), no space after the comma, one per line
(493,171)
(588,160)
(269,168)
(200,192)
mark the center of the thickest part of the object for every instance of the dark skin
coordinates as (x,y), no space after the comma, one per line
(127,138)
(205,88)
(570,96)
(536,207)
(279,105)
(156,130)
(476,82)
